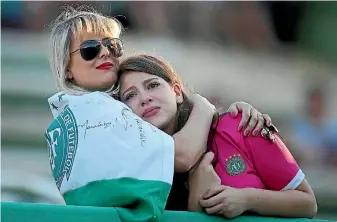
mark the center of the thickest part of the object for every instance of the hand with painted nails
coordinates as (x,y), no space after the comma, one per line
(252,120)
(224,201)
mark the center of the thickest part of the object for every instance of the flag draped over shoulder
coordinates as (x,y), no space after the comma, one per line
(101,154)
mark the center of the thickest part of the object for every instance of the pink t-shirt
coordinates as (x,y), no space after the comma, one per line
(253,161)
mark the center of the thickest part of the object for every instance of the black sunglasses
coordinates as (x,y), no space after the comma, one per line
(91,48)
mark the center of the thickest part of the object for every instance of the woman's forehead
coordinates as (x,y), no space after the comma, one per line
(85,35)
(135,78)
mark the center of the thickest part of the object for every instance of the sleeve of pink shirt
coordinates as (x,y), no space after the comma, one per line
(272,161)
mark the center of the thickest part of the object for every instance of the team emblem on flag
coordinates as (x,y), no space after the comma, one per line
(62,138)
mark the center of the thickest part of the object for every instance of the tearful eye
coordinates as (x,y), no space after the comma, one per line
(153,85)
(130,96)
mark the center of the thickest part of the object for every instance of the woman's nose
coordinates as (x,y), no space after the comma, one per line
(104,52)
(146,100)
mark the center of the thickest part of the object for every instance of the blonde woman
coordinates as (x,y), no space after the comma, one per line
(85,48)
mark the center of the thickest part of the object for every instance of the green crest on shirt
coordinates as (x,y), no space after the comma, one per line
(235,165)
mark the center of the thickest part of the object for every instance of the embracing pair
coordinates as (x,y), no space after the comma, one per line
(219,167)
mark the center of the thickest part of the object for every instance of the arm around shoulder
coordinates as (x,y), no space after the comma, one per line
(191,140)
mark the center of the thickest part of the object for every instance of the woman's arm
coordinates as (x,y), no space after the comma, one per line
(201,178)
(190,141)
(289,203)
(288,194)
(232,202)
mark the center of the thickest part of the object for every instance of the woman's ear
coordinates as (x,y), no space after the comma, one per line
(178,91)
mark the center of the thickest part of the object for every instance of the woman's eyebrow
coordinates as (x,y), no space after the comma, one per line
(128,89)
(148,80)
(144,83)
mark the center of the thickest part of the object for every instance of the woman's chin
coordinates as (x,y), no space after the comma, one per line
(106,86)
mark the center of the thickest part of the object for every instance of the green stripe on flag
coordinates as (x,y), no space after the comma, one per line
(143,200)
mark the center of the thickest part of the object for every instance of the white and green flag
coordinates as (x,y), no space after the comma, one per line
(101,154)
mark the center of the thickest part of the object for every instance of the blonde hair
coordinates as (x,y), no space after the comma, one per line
(70,24)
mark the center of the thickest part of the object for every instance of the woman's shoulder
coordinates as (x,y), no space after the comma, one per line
(227,123)
(86,103)
(225,126)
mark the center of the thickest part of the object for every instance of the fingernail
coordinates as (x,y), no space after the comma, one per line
(233,113)
(247,133)
(240,128)
(255,132)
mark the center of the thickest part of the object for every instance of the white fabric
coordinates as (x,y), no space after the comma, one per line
(296,181)
(112,142)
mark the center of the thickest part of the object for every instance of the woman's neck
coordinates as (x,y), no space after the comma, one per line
(170,128)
